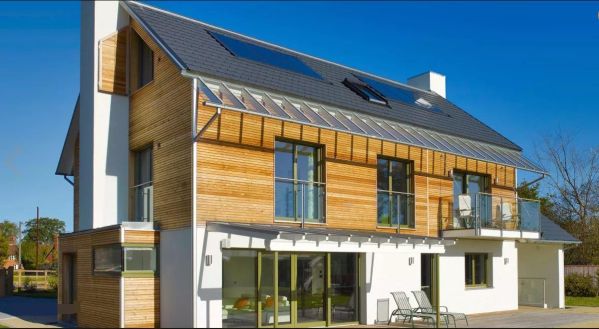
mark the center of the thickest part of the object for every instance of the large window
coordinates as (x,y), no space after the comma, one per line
(140,259)
(108,259)
(144,57)
(143,187)
(395,200)
(299,187)
(477,270)
(470,198)
(239,288)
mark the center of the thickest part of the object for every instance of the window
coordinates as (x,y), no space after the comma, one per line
(140,259)
(143,189)
(395,200)
(365,92)
(475,188)
(108,259)
(477,269)
(144,57)
(299,187)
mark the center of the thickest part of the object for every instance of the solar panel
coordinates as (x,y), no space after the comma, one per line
(263,55)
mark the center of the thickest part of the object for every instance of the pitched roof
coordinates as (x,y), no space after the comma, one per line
(550,231)
(193,49)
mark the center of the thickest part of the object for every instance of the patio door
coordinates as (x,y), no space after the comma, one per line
(297,290)
(427,276)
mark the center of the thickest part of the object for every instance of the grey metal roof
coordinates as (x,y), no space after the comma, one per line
(550,231)
(190,45)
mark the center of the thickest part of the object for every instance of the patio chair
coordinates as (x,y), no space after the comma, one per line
(464,211)
(425,305)
(405,310)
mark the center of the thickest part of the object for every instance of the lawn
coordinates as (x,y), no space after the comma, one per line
(582,301)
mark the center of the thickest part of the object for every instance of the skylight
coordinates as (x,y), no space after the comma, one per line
(365,92)
(263,55)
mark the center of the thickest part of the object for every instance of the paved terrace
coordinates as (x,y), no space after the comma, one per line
(530,317)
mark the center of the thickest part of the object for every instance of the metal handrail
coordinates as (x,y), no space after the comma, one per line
(407,194)
(303,183)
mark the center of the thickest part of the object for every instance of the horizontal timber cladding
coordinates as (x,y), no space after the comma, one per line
(113,63)
(236,168)
(142,302)
(142,236)
(98,296)
(161,117)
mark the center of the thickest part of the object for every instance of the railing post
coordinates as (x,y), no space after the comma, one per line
(500,214)
(303,203)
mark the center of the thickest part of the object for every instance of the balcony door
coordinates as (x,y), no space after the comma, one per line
(475,187)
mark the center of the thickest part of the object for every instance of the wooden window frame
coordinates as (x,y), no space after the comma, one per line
(486,279)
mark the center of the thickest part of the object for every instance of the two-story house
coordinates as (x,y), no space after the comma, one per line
(222,181)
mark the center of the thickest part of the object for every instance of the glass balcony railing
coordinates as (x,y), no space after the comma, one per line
(299,201)
(489,211)
(395,209)
(143,196)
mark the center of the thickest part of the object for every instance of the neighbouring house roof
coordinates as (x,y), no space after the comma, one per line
(194,49)
(552,232)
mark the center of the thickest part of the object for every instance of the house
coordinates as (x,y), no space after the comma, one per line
(13,254)
(221,181)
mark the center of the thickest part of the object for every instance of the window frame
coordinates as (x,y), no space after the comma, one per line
(365,91)
(105,246)
(141,273)
(138,156)
(464,174)
(137,46)
(321,182)
(391,192)
(486,280)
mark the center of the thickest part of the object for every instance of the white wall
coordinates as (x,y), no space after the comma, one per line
(502,295)
(544,261)
(384,273)
(104,125)
(175,279)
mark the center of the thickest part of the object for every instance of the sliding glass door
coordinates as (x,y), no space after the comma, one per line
(284,289)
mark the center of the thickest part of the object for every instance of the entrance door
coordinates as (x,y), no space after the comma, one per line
(69,287)
(427,277)
(310,289)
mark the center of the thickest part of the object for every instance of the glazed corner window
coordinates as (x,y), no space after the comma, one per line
(108,259)
(143,188)
(299,186)
(140,259)
(144,68)
(395,199)
(477,268)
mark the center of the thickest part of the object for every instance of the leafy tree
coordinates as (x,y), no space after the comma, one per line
(8,229)
(43,232)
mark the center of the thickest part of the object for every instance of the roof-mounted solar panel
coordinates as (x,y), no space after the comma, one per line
(264,55)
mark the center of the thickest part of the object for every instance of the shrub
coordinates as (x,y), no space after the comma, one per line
(28,284)
(578,285)
(52,283)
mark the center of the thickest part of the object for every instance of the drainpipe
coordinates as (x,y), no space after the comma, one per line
(68,180)
(194,265)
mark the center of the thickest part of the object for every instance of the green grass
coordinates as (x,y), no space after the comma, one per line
(36,294)
(582,301)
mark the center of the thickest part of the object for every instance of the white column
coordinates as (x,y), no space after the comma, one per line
(104,125)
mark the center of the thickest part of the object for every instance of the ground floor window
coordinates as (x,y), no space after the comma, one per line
(477,270)
(269,289)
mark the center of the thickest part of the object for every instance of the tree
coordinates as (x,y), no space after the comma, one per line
(42,232)
(574,185)
(533,192)
(8,229)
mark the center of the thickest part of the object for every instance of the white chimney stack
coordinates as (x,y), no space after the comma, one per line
(431,81)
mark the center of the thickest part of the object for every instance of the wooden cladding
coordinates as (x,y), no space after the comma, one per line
(113,63)
(160,116)
(236,169)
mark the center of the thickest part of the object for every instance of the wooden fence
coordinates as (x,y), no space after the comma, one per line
(587,270)
(39,279)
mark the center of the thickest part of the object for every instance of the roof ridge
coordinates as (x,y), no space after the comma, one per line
(280,47)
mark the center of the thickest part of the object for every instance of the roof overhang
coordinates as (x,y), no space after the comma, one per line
(230,96)
(293,238)
(67,156)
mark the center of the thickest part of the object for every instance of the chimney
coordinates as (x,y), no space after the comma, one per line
(431,81)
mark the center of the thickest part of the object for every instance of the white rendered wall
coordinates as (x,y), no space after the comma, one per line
(104,125)
(383,273)
(544,261)
(175,279)
(502,295)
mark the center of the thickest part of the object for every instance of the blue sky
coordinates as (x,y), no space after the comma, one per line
(524,68)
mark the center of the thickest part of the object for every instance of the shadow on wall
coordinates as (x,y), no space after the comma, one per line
(117,153)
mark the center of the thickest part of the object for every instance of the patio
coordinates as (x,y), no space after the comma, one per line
(531,317)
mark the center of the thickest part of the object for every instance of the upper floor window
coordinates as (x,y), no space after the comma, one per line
(143,186)
(299,184)
(144,57)
(477,270)
(395,198)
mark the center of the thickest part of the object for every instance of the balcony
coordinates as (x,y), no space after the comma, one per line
(491,216)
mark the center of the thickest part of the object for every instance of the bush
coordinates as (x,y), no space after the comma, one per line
(52,283)
(28,284)
(580,286)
